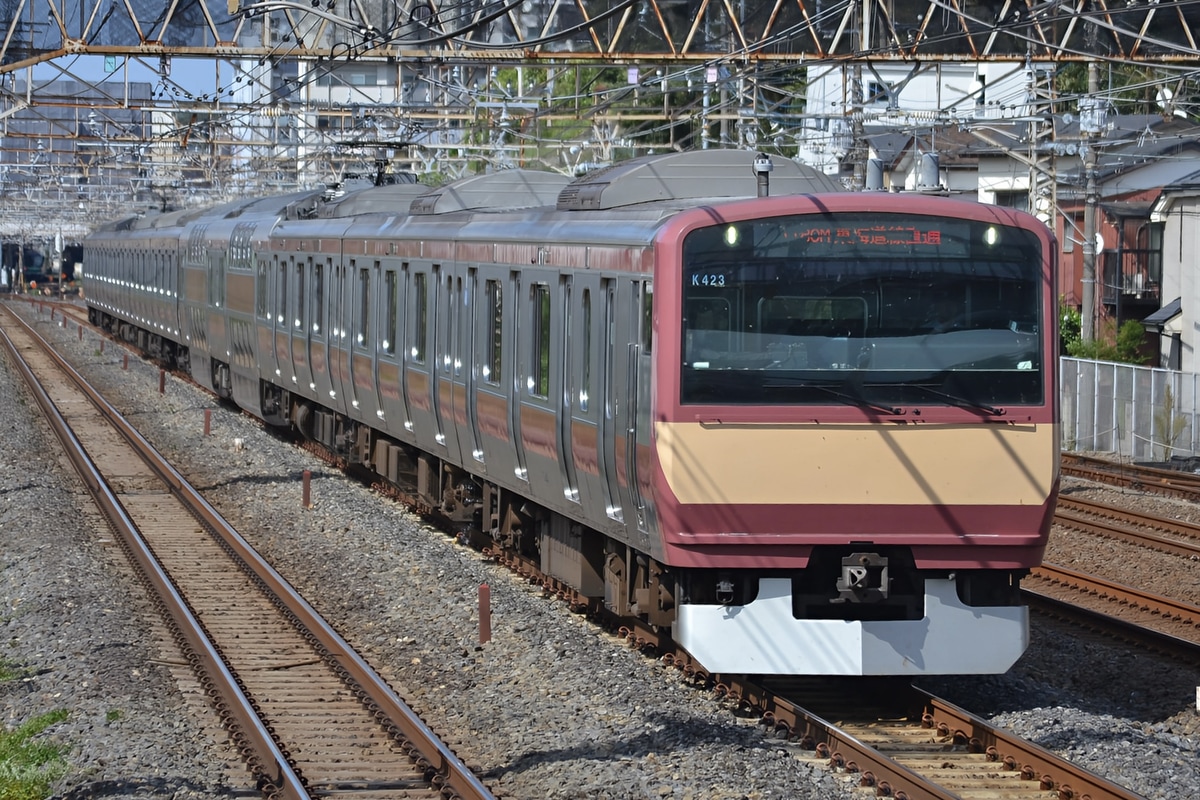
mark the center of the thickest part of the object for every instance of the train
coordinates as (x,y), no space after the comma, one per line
(798,429)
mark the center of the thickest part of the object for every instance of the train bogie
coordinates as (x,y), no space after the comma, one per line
(700,398)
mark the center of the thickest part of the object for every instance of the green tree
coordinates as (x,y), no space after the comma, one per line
(1123,347)
(1132,88)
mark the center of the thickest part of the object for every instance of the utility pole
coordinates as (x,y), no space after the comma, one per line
(1091,123)
(1043,189)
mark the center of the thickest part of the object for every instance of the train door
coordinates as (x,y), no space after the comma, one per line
(361,389)
(518,327)
(302,381)
(493,396)
(282,327)
(419,369)
(626,418)
(640,441)
(319,336)
(219,347)
(571,363)
(174,267)
(403,288)
(612,436)
(628,398)
(539,360)
(586,337)
(388,380)
(467,380)
(448,360)
(268,365)
(335,338)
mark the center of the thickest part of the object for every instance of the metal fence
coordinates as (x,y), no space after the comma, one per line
(1145,413)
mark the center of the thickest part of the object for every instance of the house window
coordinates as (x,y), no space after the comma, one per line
(1017,200)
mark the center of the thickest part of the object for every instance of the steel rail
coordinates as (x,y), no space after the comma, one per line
(1173,483)
(1013,752)
(452,775)
(1161,606)
(272,764)
(1154,541)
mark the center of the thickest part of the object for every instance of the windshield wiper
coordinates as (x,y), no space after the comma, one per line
(850,399)
(961,402)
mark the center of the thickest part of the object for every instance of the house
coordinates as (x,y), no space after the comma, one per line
(1137,157)
(1175,323)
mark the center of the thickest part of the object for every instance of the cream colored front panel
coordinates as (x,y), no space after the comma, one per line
(859,464)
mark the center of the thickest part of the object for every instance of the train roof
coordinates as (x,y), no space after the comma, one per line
(388,199)
(274,205)
(646,188)
(675,178)
(694,175)
(504,189)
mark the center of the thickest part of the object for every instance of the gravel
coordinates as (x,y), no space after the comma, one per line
(551,707)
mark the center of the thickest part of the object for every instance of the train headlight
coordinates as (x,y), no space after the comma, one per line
(991,235)
(732,236)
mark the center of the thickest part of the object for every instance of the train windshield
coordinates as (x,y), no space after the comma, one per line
(873,309)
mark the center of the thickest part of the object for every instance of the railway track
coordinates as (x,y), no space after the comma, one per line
(1126,525)
(1168,482)
(308,714)
(1124,608)
(898,741)
(1129,612)
(915,747)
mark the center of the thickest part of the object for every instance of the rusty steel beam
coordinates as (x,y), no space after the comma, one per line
(604,32)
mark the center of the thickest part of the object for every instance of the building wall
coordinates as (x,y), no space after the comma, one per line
(941,88)
(1180,248)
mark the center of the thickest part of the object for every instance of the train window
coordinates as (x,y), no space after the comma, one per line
(647,316)
(495,331)
(260,291)
(586,366)
(216,279)
(389,331)
(539,383)
(450,305)
(364,307)
(299,319)
(318,310)
(281,294)
(883,310)
(420,310)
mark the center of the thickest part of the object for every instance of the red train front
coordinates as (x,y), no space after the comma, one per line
(855,431)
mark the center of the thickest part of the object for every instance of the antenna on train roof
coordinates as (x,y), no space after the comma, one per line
(762,171)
